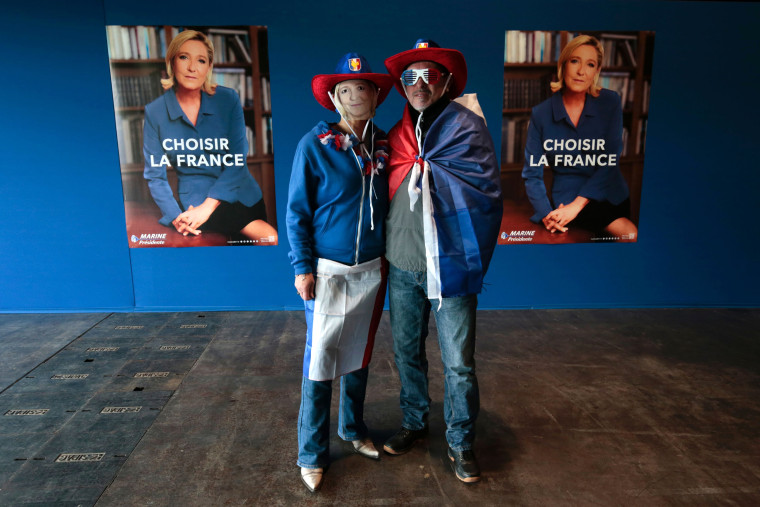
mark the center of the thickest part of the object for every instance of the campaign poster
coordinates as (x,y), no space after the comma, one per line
(574,123)
(194,127)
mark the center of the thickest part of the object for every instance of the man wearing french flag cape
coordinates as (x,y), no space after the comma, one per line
(441,231)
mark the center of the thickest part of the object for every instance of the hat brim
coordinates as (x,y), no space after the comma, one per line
(323,83)
(452,59)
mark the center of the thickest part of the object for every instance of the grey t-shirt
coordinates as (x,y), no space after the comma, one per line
(404,232)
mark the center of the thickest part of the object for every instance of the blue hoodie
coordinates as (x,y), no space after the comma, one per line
(329,213)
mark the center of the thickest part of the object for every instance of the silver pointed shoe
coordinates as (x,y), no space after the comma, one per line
(366,448)
(312,478)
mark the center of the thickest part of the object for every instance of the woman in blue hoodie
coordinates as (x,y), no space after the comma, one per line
(337,203)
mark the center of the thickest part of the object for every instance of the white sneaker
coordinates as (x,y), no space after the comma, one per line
(366,448)
(312,478)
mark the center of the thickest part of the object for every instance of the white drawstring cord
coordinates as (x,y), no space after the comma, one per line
(412,189)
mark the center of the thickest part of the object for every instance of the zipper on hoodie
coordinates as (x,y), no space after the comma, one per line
(361,216)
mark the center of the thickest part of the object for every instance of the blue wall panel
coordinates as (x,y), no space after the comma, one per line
(63,242)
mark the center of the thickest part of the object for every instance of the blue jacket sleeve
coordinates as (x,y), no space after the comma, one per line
(155,173)
(300,212)
(534,175)
(597,187)
(226,186)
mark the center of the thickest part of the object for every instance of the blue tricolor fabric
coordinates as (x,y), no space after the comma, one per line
(465,203)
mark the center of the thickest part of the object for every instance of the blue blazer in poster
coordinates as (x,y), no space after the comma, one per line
(209,157)
(584,158)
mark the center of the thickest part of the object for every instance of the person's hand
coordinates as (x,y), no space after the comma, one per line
(194,217)
(305,286)
(190,221)
(552,225)
(565,214)
(182,225)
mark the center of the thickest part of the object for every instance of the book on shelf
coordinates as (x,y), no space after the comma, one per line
(228,31)
(266,129)
(240,49)
(230,45)
(538,46)
(121,141)
(618,82)
(526,93)
(619,49)
(625,142)
(251,137)
(136,42)
(266,102)
(630,55)
(131,39)
(542,47)
(129,132)
(136,90)
(248,91)
(514,134)
(233,78)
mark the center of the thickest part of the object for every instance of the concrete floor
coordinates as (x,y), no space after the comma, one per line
(578,407)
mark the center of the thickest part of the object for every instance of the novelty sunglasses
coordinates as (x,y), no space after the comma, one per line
(430,76)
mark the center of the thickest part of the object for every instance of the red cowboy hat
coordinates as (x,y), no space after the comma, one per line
(426,50)
(351,66)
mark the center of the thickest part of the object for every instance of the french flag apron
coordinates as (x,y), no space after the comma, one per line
(343,317)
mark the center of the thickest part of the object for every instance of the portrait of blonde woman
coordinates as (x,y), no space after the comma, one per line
(577,132)
(197,128)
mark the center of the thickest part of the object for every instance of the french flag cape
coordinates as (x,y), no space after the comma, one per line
(456,177)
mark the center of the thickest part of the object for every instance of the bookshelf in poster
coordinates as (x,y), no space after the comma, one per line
(150,43)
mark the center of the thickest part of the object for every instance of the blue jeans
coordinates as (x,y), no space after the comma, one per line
(314,416)
(455,321)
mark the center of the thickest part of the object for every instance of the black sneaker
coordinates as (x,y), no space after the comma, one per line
(404,440)
(465,465)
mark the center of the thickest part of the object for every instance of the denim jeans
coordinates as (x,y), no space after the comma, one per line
(314,416)
(455,321)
